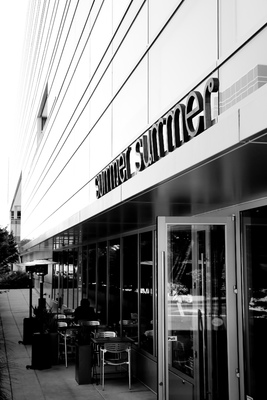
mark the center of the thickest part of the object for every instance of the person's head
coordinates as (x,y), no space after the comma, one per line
(85,303)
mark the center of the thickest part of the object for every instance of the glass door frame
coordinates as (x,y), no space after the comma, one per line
(231,300)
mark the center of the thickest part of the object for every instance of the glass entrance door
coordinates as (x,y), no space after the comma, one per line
(197,337)
(254,275)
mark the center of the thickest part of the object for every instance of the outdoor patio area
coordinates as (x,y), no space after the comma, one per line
(57,382)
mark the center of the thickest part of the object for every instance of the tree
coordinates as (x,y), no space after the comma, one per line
(8,250)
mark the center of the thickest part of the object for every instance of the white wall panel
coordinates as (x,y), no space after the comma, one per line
(240,67)
(130,109)
(185,49)
(100,97)
(159,12)
(131,49)
(121,28)
(48,174)
(100,144)
(238,20)
(33,229)
(61,55)
(101,34)
(118,10)
(253,116)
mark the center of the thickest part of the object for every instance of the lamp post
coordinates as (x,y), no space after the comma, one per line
(40,342)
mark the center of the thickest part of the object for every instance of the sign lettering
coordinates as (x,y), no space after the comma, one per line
(180,125)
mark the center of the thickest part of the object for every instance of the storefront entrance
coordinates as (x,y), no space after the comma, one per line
(197,329)
(254,282)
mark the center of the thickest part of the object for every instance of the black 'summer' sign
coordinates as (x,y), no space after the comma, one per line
(181,124)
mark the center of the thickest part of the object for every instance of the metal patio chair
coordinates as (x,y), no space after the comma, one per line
(122,351)
(67,339)
(103,334)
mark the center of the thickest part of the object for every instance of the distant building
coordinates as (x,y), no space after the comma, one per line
(15,214)
(141,162)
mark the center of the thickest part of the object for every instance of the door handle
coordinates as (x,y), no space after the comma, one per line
(203,355)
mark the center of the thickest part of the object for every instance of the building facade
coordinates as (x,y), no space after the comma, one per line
(15,214)
(141,167)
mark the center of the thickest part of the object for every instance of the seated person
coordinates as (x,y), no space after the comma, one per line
(85,312)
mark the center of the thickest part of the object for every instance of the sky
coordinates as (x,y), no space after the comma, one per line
(13,15)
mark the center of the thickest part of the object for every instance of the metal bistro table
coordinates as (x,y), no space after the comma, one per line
(102,340)
(116,339)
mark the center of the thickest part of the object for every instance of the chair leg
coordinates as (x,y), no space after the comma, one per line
(94,367)
(66,354)
(102,372)
(130,378)
(98,357)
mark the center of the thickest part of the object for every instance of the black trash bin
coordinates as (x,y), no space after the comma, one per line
(30,326)
(83,366)
(41,352)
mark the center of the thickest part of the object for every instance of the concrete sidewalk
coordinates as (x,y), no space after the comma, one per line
(57,382)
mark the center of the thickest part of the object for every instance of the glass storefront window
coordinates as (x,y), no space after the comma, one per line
(180,299)
(197,305)
(102,281)
(84,271)
(119,284)
(63,284)
(147,326)
(114,283)
(55,275)
(63,278)
(254,234)
(130,287)
(70,274)
(92,274)
(55,268)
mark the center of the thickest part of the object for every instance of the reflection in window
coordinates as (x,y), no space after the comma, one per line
(102,281)
(55,269)
(129,279)
(63,283)
(180,288)
(255,307)
(146,292)
(65,277)
(114,283)
(72,279)
(197,305)
(130,287)
(84,271)
(92,274)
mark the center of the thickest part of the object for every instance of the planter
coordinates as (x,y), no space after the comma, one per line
(83,364)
